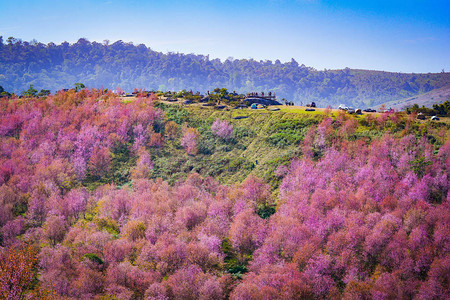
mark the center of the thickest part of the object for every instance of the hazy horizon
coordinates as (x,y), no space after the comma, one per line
(390,36)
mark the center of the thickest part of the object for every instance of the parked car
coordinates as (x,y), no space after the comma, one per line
(342,107)
(435,118)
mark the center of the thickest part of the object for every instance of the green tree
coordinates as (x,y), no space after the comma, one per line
(79,86)
(44,93)
(11,40)
(30,92)
(442,109)
(3,92)
(419,166)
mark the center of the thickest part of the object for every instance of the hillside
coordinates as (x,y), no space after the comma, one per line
(106,198)
(262,138)
(119,64)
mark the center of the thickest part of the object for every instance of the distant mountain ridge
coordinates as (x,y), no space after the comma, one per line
(435,96)
(129,66)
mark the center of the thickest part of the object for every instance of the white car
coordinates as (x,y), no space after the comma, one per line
(343,107)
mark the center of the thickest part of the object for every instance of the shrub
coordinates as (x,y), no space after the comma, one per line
(189,140)
(222,129)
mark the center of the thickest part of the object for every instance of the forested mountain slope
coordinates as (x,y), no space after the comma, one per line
(435,96)
(131,66)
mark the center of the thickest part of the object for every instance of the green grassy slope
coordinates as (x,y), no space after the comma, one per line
(271,138)
(262,141)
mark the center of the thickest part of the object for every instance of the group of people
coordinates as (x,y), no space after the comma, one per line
(253,164)
(256,94)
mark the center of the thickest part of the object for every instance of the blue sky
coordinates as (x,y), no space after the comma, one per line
(400,36)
